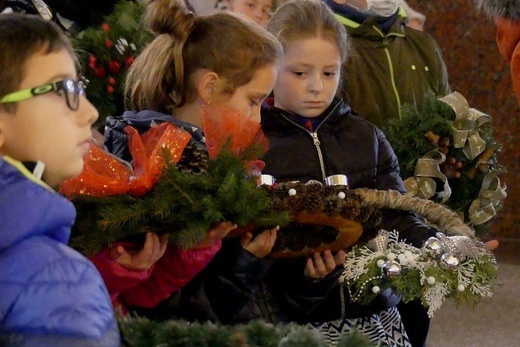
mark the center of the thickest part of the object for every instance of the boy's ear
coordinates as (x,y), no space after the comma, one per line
(207,86)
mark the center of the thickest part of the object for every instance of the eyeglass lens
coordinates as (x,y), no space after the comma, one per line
(73,90)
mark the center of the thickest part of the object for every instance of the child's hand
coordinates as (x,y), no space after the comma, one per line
(262,244)
(491,244)
(216,234)
(319,266)
(138,260)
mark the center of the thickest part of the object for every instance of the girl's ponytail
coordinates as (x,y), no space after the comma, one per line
(151,84)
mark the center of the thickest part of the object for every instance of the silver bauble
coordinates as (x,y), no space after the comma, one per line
(433,247)
(391,268)
(449,261)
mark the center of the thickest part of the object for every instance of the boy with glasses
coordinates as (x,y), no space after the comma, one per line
(50,294)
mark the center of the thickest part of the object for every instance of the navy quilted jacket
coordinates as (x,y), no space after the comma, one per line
(348,145)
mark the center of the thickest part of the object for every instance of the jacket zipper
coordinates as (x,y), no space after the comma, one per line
(315,139)
(389,59)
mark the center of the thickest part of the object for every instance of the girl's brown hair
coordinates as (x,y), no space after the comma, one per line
(302,19)
(160,78)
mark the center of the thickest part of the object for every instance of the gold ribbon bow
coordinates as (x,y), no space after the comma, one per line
(491,193)
(466,124)
(422,183)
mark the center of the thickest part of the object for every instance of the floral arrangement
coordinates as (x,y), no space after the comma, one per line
(106,52)
(171,186)
(447,153)
(457,267)
(454,267)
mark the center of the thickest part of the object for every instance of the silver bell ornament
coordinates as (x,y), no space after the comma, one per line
(391,268)
(433,247)
(449,261)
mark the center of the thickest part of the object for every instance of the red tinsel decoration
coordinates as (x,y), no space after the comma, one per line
(105,175)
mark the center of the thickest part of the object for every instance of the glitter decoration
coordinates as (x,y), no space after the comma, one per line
(105,175)
(220,122)
(418,274)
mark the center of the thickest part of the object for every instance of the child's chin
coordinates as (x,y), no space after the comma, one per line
(75,171)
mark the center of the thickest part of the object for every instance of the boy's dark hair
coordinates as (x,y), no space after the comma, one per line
(21,37)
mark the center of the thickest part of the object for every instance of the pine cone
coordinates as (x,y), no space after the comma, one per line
(312,195)
(194,160)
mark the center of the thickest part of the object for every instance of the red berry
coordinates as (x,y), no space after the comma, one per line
(129,61)
(108,43)
(92,59)
(114,66)
(100,72)
(111,80)
(92,65)
(105,27)
(110,89)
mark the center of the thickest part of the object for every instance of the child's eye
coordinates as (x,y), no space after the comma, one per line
(299,73)
(329,74)
(254,102)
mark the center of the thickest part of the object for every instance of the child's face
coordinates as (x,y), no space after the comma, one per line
(308,77)
(43,127)
(257,10)
(248,98)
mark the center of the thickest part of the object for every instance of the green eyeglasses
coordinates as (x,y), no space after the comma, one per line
(72,90)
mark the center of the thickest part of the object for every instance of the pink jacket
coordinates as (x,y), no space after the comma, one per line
(149,287)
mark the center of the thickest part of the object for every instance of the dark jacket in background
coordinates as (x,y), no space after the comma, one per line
(389,65)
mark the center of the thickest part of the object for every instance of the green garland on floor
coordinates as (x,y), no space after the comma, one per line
(106,52)
(139,332)
(430,127)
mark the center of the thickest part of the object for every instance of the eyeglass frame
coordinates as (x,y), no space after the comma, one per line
(25,94)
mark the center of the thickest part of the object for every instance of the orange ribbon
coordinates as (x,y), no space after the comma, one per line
(104,174)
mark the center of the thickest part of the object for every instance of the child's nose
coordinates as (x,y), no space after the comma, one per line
(259,14)
(255,115)
(87,112)
(315,84)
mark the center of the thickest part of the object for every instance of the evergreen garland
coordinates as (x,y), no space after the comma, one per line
(182,203)
(429,127)
(106,52)
(143,332)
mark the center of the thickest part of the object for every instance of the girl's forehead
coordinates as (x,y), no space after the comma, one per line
(311,51)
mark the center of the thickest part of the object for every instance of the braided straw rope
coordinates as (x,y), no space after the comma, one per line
(433,212)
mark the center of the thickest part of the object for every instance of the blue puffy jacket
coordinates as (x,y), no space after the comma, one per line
(50,295)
